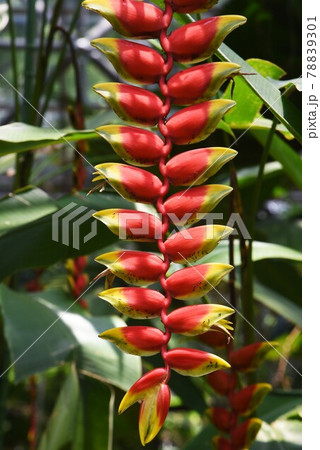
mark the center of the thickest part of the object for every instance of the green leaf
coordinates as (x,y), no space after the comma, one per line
(278,303)
(266,124)
(60,430)
(281,107)
(296,82)
(279,403)
(23,208)
(280,435)
(26,226)
(19,137)
(91,433)
(261,250)
(282,152)
(41,335)
(248,102)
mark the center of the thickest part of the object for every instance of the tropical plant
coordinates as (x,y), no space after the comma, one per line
(50,315)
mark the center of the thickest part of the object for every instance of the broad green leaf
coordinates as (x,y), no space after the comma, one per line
(91,433)
(19,137)
(248,175)
(23,208)
(296,82)
(281,107)
(248,102)
(41,335)
(282,152)
(280,435)
(266,124)
(278,303)
(261,250)
(24,322)
(60,430)
(27,223)
(279,403)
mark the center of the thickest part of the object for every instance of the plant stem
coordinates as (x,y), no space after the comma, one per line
(111,415)
(43,59)
(258,185)
(29,65)
(246,246)
(24,162)
(14,61)
(50,85)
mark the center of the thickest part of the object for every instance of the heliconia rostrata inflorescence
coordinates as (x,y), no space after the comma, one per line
(192,88)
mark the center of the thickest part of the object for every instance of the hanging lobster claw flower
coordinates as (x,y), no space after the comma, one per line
(196,123)
(187,207)
(221,443)
(248,399)
(223,382)
(244,435)
(196,281)
(155,397)
(137,303)
(139,340)
(131,225)
(129,17)
(132,103)
(134,145)
(250,357)
(134,62)
(196,319)
(192,6)
(194,243)
(196,166)
(194,363)
(200,83)
(198,41)
(134,267)
(132,183)
(222,418)
(153,412)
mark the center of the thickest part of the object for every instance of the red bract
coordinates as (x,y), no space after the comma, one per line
(222,418)
(190,206)
(194,87)
(249,358)
(136,185)
(199,40)
(244,435)
(222,382)
(136,303)
(144,341)
(131,225)
(134,62)
(131,103)
(188,6)
(196,166)
(193,243)
(196,363)
(196,123)
(129,17)
(199,83)
(134,145)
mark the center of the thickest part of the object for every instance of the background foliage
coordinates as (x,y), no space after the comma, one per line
(62,392)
